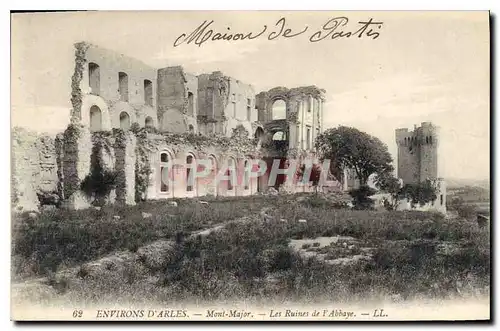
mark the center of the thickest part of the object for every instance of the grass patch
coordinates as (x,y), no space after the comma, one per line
(252,260)
(66,238)
(241,260)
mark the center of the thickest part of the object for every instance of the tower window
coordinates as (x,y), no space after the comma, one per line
(441,199)
(430,140)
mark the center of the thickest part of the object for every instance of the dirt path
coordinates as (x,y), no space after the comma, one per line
(150,254)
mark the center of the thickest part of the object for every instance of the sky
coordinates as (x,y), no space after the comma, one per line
(423,66)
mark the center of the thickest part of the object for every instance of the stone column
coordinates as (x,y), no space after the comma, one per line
(125,167)
(320,117)
(292,134)
(314,121)
(302,126)
(77,147)
(59,147)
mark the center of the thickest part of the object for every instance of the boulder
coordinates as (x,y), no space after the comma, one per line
(157,254)
(272,191)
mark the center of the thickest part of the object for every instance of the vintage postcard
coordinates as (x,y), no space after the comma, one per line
(250,166)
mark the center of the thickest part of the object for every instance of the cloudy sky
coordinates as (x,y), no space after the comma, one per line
(427,66)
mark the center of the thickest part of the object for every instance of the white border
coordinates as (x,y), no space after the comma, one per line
(191,5)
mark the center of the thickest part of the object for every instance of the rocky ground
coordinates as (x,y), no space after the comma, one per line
(305,249)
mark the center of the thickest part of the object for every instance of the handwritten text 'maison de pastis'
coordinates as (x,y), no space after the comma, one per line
(334,28)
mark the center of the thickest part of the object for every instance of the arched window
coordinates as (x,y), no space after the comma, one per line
(308,137)
(426,139)
(148,92)
(230,173)
(95,119)
(249,109)
(189,173)
(280,135)
(190,104)
(310,104)
(213,165)
(123,86)
(124,121)
(94,78)
(259,133)
(278,110)
(149,123)
(164,172)
(430,140)
(246,178)
(191,128)
(213,174)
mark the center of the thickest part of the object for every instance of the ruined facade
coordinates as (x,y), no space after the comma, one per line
(418,161)
(133,120)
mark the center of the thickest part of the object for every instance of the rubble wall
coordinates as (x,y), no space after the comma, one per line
(34,168)
(76,164)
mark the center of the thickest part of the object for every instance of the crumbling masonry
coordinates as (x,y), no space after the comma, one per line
(141,118)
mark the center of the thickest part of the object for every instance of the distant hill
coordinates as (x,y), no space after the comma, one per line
(454,183)
(470,191)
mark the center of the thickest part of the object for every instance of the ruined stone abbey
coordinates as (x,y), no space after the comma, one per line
(134,119)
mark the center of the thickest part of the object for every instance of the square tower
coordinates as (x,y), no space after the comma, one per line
(418,153)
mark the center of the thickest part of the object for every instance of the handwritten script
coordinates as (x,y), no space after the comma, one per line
(334,28)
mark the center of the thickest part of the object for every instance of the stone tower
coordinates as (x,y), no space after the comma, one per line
(418,160)
(418,153)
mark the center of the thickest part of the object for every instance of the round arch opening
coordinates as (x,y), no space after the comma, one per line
(278,110)
(124,121)
(149,123)
(279,136)
(95,118)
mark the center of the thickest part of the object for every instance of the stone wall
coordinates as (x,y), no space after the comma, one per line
(96,85)
(25,163)
(178,147)
(225,103)
(177,100)
(76,164)
(304,112)
(125,154)
(34,168)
